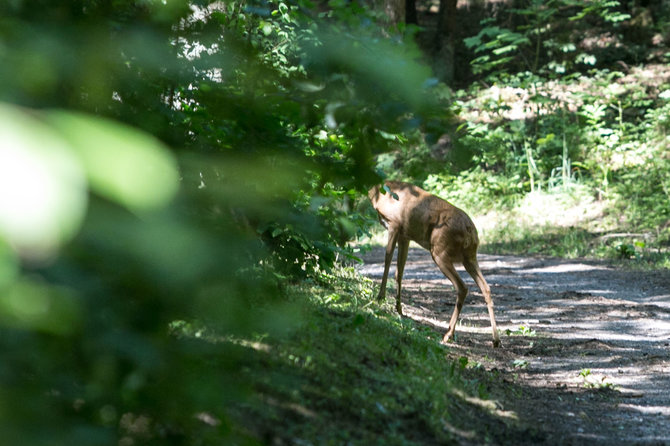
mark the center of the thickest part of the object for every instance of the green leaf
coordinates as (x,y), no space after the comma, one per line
(265,27)
(43,194)
(29,305)
(505,49)
(123,164)
(547,139)
(472,42)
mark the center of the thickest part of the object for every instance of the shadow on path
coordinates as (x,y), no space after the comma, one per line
(588,344)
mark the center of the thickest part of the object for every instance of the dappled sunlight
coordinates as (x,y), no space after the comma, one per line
(516,103)
(558,209)
(180,184)
(569,329)
(562,268)
(647,410)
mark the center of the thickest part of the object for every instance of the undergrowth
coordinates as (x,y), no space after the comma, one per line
(622,248)
(349,371)
(576,166)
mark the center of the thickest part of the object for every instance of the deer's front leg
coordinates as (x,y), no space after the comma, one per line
(403,249)
(390,247)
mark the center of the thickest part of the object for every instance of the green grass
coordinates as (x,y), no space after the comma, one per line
(625,249)
(349,371)
(628,249)
(567,222)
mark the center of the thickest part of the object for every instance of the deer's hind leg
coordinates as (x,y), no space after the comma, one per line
(445,264)
(472,267)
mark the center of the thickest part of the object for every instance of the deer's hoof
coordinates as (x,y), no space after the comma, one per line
(497,343)
(447,339)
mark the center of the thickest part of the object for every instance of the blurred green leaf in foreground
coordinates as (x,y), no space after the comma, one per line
(167,166)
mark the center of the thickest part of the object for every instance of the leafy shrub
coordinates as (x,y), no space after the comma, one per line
(474,190)
(196,160)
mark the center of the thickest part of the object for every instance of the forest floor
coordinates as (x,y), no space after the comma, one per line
(586,346)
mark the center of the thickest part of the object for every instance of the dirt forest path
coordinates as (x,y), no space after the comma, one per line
(586,359)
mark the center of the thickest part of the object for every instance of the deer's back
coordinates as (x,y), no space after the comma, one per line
(424,217)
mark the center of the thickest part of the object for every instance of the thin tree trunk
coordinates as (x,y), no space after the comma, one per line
(410,12)
(445,47)
(394,10)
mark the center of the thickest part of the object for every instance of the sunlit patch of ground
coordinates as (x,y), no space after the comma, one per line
(590,343)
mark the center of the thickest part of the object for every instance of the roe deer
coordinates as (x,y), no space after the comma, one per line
(411,213)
